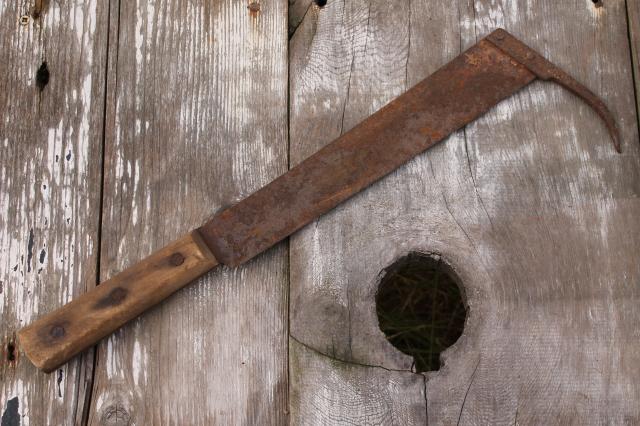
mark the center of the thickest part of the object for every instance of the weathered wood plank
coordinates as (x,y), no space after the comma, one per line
(56,338)
(50,155)
(372,395)
(297,11)
(562,234)
(530,205)
(633,22)
(197,119)
(347,60)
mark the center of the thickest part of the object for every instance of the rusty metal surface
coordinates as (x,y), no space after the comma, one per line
(458,93)
(545,70)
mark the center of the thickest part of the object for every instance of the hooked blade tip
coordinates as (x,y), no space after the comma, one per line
(610,122)
(546,70)
(615,135)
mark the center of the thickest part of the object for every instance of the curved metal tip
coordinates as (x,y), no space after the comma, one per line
(566,81)
(612,127)
(593,101)
(545,70)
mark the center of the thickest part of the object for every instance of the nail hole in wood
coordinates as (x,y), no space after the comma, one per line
(420,308)
(11,352)
(597,3)
(24,20)
(320,3)
(39,8)
(42,76)
(254,7)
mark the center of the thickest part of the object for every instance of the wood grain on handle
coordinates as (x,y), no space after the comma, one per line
(58,336)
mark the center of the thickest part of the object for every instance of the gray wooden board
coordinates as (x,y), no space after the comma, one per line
(633,21)
(50,155)
(195,118)
(297,11)
(530,205)
(371,395)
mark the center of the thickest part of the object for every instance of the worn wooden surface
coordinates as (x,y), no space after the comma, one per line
(50,155)
(530,205)
(54,339)
(121,154)
(196,118)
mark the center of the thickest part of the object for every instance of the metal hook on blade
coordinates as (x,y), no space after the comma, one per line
(545,70)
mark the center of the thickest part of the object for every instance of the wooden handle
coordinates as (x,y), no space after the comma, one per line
(58,336)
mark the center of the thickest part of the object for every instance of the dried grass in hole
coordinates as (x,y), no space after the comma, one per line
(421,308)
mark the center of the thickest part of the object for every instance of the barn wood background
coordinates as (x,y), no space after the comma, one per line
(153,114)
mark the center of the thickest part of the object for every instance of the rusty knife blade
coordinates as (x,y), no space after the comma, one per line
(493,69)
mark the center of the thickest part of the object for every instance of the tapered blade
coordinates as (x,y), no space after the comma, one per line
(453,96)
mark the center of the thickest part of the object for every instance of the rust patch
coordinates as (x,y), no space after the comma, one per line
(254,8)
(113,298)
(430,133)
(471,59)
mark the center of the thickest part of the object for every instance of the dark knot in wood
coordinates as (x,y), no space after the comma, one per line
(116,414)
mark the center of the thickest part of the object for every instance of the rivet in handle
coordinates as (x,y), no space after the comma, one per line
(176,259)
(57,331)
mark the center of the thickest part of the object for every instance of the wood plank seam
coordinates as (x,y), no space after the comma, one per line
(633,35)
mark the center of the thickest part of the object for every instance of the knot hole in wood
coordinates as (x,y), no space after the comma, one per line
(421,307)
(115,414)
